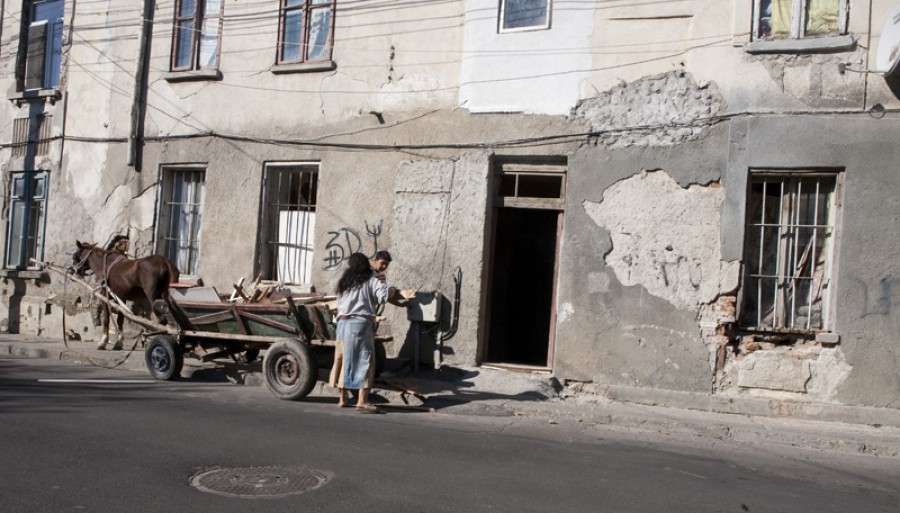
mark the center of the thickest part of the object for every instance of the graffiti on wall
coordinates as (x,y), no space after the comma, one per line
(881,300)
(345,241)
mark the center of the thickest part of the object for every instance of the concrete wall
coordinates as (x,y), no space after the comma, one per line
(660,110)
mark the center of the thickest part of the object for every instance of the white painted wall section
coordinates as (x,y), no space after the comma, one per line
(534,71)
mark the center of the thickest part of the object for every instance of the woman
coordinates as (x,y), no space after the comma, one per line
(359,292)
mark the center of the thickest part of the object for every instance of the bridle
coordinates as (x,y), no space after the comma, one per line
(79,267)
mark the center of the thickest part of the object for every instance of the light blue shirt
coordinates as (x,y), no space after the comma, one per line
(363,299)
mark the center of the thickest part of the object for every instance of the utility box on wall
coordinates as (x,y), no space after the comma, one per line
(425,307)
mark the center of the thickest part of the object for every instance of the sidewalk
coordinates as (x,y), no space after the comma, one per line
(496,393)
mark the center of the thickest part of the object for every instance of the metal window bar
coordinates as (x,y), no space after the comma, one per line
(292,197)
(794,221)
(184,208)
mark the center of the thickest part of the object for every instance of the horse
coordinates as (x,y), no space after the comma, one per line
(143,279)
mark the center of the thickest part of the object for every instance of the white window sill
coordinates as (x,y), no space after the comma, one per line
(51,95)
(303,67)
(831,44)
(193,75)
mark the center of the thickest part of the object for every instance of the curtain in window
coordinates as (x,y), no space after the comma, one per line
(822,16)
(781,17)
(319,27)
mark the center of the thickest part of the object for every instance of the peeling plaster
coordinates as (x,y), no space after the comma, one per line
(666,238)
(669,109)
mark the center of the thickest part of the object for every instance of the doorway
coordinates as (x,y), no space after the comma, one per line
(521,309)
(523,278)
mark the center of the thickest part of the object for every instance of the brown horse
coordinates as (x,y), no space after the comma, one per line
(145,279)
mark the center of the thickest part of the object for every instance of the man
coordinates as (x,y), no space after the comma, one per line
(380,264)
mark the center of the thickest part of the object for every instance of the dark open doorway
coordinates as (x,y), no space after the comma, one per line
(523,279)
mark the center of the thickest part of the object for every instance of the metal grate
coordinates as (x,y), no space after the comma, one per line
(183,198)
(290,217)
(22,129)
(790,238)
(258,482)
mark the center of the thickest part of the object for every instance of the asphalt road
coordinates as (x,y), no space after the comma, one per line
(133,445)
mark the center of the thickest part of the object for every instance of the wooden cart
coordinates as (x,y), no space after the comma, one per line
(295,336)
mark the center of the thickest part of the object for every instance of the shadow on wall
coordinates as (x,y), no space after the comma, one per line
(13,302)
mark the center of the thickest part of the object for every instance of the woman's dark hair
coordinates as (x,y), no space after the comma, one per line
(359,271)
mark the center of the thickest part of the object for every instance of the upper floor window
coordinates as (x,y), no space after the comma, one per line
(195,39)
(796,19)
(524,14)
(41,48)
(305,30)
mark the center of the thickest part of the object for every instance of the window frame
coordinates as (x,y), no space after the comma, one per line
(165,223)
(269,244)
(828,301)
(198,19)
(501,18)
(305,8)
(51,38)
(799,9)
(29,198)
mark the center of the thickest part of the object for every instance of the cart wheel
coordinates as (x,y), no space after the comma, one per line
(290,369)
(380,358)
(163,357)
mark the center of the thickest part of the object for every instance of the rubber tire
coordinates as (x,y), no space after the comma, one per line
(290,370)
(380,358)
(164,358)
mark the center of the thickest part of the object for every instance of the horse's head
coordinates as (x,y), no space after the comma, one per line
(81,256)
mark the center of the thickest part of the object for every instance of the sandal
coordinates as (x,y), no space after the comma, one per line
(368,408)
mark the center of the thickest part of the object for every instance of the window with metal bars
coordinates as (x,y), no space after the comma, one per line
(181,215)
(288,222)
(796,19)
(196,35)
(306,29)
(790,234)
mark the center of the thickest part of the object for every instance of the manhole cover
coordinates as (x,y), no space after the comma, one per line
(258,482)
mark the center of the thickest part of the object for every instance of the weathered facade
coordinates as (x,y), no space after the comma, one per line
(691,197)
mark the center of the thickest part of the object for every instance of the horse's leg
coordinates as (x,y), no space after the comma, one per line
(104,318)
(120,336)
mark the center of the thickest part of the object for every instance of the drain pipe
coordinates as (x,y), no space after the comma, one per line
(140,82)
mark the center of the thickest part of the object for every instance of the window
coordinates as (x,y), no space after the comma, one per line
(25,232)
(305,30)
(198,28)
(42,45)
(530,185)
(790,242)
(288,222)
(181,213)
(524,14)
(796,19)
